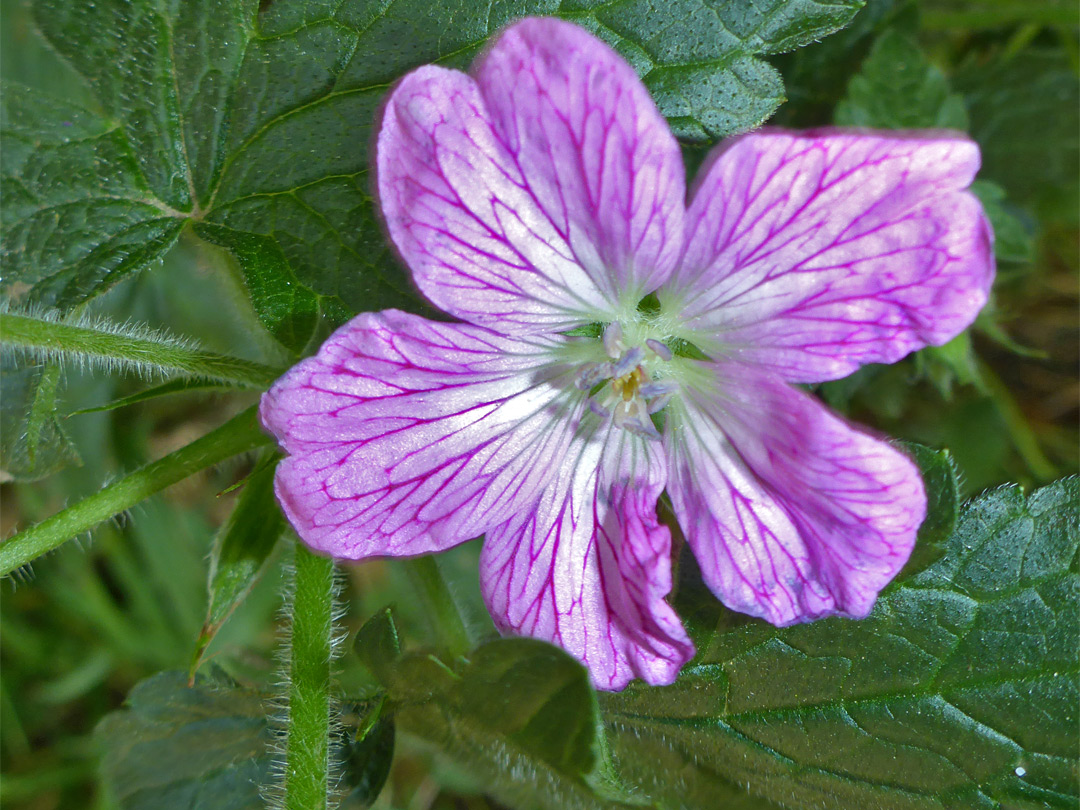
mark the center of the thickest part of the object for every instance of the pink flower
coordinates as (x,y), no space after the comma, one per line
(615,341)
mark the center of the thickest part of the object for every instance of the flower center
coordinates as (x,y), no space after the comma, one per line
(634,392)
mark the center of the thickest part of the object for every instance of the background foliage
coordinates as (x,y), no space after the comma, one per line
(201,168)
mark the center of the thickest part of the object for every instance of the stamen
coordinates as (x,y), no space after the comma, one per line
(592,373)
(660,349)
(598,409)
(632,416)
(658,404)
(625,364)
(613,344)
(657,388)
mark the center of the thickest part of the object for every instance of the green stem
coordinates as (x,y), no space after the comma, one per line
(447,626)
(156,354)
(238,435)
(307,745)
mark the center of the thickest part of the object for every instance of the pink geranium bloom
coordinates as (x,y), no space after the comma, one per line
(619,338)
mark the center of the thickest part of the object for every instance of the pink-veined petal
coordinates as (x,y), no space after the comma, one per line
(406,436)
(792,514)
(815,253)
(592,147)
(589,567)
(539,195)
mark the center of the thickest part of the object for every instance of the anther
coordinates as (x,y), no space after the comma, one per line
(661,350)
(613,344)
(628,362)
(592,373)
(598,409)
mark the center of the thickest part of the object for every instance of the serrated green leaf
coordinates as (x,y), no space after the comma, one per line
(521,716)
(959,691)
(699,57)
(259,122)
(175,747)
(942,507)
(898,87)
(77,213)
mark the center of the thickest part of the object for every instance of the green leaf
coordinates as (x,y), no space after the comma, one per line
(960,690)
(288,310)
(378,645)
(942,507)
(899,88)
(520,716)
(175,747)
(368,756)
(241,549)
(77,214)
(33,443)
(699,58)
(259,122)
(1025,112)
(1013,240)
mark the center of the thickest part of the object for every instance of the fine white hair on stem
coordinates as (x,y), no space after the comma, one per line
(84,357)
(274,791)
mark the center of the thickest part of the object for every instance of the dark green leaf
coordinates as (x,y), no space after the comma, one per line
(241,548)
(288,309)
(1012,237)
(77,214)
(1025,113)
(816,77)
(942,507)
(959,691)
(260,122)
(378,645)
(368,754)
(899,88)
(33,443)
(176,747)
(520,716)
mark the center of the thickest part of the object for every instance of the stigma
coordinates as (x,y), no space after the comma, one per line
(626,388)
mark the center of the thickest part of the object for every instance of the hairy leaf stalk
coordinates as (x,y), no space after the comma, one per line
(125,348)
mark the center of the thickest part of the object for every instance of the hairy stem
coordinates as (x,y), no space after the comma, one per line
(307,741)
(238,435)
(127,349)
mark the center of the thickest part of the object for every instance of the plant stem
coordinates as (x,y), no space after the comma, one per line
(307,746)
(151,353)
(238,435)
(447,626)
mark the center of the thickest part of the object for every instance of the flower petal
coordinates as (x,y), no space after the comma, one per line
(407,436)
(791,513)
(593,149)
(538,196)
(813,254)
(588,569)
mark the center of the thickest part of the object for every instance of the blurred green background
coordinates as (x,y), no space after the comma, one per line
(97,616)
